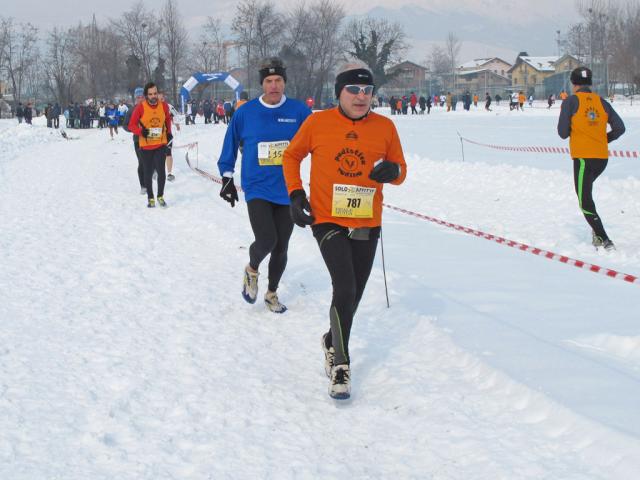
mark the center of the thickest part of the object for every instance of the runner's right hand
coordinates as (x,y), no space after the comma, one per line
(299,204)
(145,132)
(229,193)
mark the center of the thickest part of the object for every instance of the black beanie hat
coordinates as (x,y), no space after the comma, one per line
(272,66)
(581,76)
(359,76)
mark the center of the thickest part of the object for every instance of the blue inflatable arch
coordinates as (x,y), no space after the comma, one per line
(197,78)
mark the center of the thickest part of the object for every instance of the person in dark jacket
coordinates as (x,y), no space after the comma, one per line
(56,115)
(583,119)
(139,97)
(28,113)
(20,112)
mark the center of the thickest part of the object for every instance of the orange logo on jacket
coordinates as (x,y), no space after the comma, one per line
(350,162)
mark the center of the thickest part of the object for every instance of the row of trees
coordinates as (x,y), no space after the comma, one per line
(108,59)
(606,38)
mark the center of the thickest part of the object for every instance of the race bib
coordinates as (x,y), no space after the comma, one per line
(155,133)
(351,201)
(271,153)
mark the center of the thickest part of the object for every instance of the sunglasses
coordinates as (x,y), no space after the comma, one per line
(356,89)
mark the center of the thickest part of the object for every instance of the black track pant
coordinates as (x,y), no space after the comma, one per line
(349,262)
(272,227)
(136,147)
(154,160)
(585,172)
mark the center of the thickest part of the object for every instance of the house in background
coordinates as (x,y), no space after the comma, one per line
(529,74)
(481,82)
(409,77)
(492,64)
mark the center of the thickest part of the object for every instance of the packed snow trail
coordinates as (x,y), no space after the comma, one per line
(126,349)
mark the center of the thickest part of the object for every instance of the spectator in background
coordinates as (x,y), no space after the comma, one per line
(20,112)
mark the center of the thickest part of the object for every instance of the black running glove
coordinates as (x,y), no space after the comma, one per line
(385,172)
(299,204)
(144,131)
(229,192)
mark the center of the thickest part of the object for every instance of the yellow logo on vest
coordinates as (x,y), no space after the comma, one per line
(592,115)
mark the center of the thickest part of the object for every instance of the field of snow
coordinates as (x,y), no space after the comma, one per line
(126,350)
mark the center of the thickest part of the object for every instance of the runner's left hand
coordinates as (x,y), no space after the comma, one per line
(385,172)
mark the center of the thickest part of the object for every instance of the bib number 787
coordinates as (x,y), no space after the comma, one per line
(352,201)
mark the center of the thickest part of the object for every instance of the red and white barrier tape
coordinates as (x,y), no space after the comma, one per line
(186,145)
(612,153)
(525,248)
(502,241)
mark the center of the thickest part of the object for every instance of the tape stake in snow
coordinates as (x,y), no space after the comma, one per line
(461,145)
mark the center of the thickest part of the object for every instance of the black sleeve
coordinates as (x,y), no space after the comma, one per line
(617,125)
(567,110)
(127,118)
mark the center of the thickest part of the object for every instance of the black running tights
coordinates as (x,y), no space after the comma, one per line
(585,172)
(349,262)
(272,227)
(154,160)
(140,163)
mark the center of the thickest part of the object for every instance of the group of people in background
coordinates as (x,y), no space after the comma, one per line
(402,105)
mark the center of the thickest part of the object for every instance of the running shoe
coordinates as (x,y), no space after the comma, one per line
(250,285)
(340,384)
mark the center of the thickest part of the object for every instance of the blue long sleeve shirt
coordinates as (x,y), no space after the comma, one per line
(255,123)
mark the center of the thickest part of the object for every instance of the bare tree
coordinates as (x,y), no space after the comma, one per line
(257,27)
(269,24)
(378,43)
(624,38)
(439,64)
(20,52)
(452,50)
(208,53)
(4,38)
(60,64)
(313,45)
(174,39)
(243,27)
(139,28)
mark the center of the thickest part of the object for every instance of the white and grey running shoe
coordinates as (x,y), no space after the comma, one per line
(250,285)
(171,177)
(596,241)
(340,384)
(273,304)
(143,191)
(329,355)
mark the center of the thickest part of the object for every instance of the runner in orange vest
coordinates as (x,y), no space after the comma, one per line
(583,119)
(354,152)
(151,121)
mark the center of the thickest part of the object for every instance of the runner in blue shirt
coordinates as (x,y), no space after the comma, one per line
(263,127)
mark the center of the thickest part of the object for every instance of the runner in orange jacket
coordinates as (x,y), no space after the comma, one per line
(354,152)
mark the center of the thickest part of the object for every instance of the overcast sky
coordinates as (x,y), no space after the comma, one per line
(512,14)
(49,12)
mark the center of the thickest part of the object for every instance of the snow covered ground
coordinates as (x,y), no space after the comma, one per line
(126,350)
